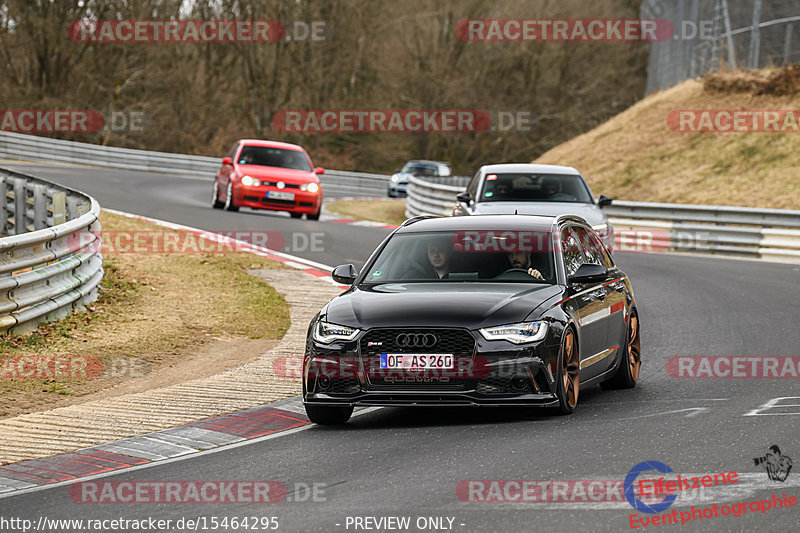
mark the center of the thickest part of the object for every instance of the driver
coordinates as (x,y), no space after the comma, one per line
(502,190)
(523,260)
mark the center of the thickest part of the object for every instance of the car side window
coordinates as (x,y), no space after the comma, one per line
(472,188)
(592,249)
(232,152)
(597,244)
(571,250)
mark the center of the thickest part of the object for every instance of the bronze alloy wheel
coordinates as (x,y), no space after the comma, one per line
(627,373)
(571,372)
(569,376)
(634,347)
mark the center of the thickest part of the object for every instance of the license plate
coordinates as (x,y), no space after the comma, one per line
(280,195)
(427,361)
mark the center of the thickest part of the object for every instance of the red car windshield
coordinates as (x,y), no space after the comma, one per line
(273,157)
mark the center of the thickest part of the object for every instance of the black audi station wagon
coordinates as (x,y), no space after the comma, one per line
(474,311)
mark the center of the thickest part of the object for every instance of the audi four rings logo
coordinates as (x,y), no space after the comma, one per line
(419,340)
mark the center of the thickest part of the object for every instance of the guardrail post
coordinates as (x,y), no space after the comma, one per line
(39,206)
(4,214)
(19,206)
(59,207)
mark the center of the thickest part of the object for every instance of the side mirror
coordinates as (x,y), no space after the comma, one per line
(604,200)
(344,274)
(319,170)
(227,161)
(589,273)
(464,197)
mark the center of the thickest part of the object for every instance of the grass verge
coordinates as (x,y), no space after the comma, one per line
(636,156)
(388,211)
(154,311)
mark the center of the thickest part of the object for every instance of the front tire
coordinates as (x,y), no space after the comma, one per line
(215,203)
(627,374)
(295,215)
(569,373)
(229,203)
(313,216)
(329,415)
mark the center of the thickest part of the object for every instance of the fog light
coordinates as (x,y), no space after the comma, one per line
(324,383)
(519,382)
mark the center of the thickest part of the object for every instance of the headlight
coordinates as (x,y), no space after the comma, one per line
(516,333)
(326,333)
(310,187)
(249,181)
(395,178)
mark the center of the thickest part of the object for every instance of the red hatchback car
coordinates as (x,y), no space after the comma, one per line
(268,175)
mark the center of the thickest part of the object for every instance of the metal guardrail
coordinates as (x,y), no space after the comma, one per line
(433,196)
(772,234)
(33,148)
(50,261)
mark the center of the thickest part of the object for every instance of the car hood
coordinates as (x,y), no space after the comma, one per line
(277,173)
(445,304)
(589,212)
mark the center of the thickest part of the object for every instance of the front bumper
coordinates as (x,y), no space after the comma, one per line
(256,198)
(397,189)
(494,373)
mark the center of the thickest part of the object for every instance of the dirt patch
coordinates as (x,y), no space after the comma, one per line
(781,82)
(160,319)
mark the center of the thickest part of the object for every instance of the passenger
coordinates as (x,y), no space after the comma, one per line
(550,187)
(440,252)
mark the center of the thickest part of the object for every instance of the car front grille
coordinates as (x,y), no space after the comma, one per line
(458,342)
(275,184)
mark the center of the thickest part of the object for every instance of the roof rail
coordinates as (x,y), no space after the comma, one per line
(417,218)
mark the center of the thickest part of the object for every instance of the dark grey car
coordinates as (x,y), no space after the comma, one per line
(431,169)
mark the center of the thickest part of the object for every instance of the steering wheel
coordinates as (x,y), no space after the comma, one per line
(523,270)
(415,273)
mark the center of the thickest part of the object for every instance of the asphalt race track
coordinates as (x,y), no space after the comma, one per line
(409,463)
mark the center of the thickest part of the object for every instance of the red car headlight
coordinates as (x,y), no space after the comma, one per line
(309,187)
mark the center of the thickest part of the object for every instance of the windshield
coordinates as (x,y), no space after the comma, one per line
(419,169)
(535,188)
(480,256)
(274,157)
